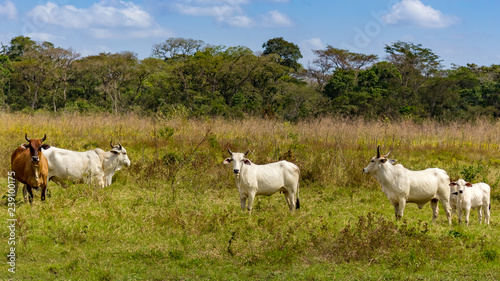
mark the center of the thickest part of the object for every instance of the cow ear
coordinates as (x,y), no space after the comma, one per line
(227,161)
(45,146)
(383,160)
(246,161)
(453,183)
(468,184)
(392,161)
(114,152)
(25,146)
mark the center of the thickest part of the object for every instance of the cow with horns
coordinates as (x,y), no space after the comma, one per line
(112,161)
(252,179)
(95,166)
(402,186)
(30,166)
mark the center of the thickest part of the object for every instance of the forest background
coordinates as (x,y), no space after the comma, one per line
(190,78)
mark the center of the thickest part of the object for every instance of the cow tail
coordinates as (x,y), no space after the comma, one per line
(297,204)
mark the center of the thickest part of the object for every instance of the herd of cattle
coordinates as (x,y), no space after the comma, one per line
(35,163)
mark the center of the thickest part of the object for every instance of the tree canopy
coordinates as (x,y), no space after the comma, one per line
(189,77)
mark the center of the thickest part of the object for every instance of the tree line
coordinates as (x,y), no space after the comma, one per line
(191,78)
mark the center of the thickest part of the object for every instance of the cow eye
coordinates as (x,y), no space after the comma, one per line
(373,161)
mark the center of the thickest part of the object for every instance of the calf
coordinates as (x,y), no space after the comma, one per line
(252,180)
(30,166)
(472,196)
(402,186)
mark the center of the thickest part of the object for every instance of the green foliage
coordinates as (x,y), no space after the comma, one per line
(288,52)
(471,173)
(190,78)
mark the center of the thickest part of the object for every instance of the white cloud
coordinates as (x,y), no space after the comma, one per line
(276,19)
(414,12)
(42,36)
(9,9)
(231,12)
(315,43)
(124,14)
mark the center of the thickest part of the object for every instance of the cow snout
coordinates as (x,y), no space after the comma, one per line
(35,158)
(236,171)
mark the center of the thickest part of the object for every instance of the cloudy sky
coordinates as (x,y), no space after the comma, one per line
(459,31)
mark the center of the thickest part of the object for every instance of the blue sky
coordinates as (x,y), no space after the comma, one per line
(458,31)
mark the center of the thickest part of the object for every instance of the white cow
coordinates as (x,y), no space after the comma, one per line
(453,198)
(95,166)
(472,196)
(402,186)
(253,179)
(112,161)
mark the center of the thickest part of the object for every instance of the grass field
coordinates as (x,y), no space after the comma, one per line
(174,213)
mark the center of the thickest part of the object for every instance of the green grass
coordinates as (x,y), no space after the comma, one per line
(175,215)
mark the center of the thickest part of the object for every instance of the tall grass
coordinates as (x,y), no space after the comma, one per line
(174,214)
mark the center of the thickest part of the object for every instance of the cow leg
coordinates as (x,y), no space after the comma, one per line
(30,194)
(243,201)
(25,193)
(291,201)
(59,181)
(486,214)
(480,214)
(251,197)
(44,189)
(467,213)
(399,208)
(435,210)
(396,209)
(447,209)
(289,198)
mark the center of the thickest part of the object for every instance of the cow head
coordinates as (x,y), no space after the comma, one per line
(238,159)
(378,161)
(121,154)
(35,146)
(459,186)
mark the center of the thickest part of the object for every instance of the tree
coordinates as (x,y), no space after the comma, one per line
(332,59)
(413,61)
(34,70)
(288,52)
(5,75)
(111,74)
(18,46)
(177,48)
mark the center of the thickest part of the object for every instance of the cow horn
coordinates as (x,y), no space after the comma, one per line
(246,153)
(230,153)
(378,151)
(44,137)
(111,143)
(26,137)
(388,152)
(120,145)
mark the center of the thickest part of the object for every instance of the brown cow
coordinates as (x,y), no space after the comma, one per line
(30,166)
